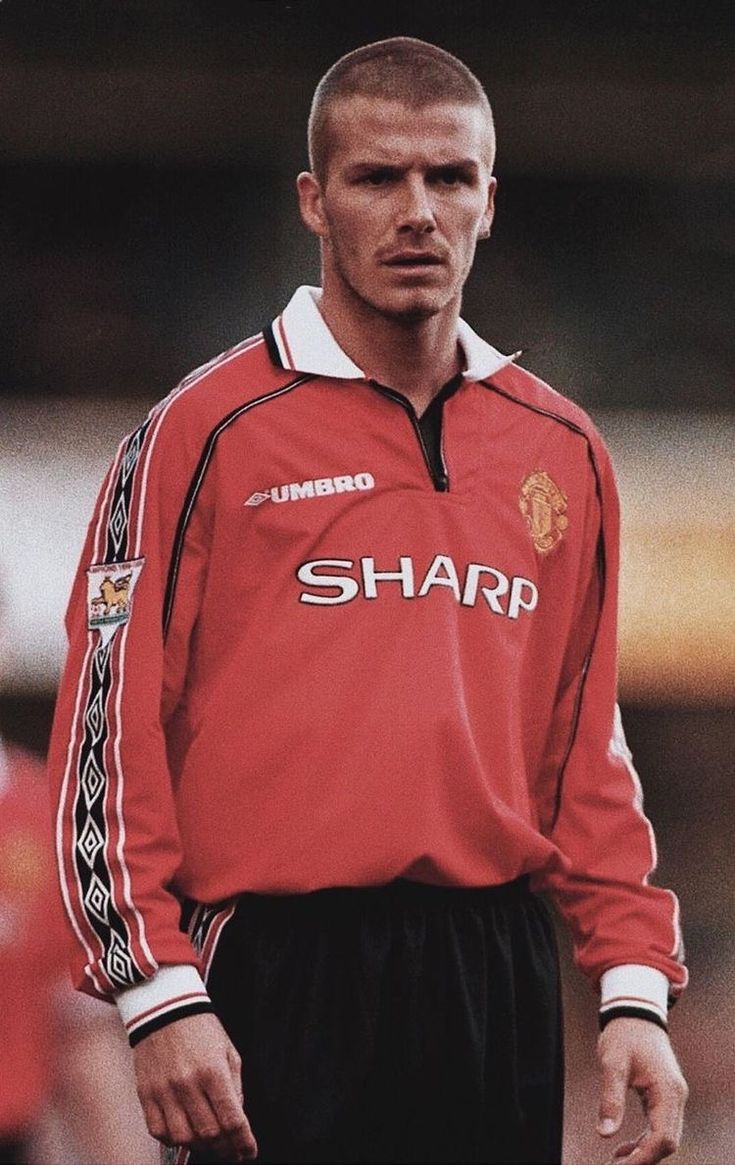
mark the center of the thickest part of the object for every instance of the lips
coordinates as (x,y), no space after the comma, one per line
(413,259)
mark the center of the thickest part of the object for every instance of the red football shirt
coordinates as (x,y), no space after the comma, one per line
(300,658)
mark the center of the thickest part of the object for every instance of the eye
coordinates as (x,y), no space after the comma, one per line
(378,177)
(452,176)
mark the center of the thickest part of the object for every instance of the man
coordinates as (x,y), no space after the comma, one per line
(342,682)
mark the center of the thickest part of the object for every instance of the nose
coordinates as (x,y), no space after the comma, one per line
(416,212)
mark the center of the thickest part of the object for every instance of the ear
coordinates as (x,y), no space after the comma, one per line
(489,213)
(310,203)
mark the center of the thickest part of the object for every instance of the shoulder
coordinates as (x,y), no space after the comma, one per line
(239,378)
(549,417)
(523,389)
(179,427)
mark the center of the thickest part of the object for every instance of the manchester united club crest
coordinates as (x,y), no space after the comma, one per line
(110,595)
(543,505)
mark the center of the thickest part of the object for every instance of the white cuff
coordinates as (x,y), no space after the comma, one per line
(171,989)
(634,985)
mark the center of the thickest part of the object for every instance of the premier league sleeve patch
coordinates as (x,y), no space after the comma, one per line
(110,587)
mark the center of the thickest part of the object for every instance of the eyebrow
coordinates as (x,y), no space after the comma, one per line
(466,164)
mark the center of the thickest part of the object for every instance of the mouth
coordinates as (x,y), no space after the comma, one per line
(419,265)
(411,259)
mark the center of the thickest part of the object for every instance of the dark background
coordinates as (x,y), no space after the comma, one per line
(149,149)
(147,221)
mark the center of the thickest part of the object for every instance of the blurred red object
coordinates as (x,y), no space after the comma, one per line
(33,942)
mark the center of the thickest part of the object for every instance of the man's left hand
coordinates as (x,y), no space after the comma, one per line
(635,1053)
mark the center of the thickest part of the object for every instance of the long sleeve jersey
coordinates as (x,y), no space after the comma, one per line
(302,657)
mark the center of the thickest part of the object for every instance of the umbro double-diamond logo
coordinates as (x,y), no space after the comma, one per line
(318,487)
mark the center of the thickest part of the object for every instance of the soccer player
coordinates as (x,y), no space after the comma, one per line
(341,701)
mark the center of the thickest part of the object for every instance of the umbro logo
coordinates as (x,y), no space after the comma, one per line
(318,487)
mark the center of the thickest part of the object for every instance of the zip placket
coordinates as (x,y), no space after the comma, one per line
(440,480)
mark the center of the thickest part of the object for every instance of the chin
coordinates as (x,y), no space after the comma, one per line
(412,306)
(415,314)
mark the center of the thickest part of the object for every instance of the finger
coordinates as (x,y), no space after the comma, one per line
(648,1150)
(622,1151)
(155,1120)
(209,1128)
(200,1115)
(612,1099)
(221,1149)
(665,1112)
(178,1127)
(225,1096)
(627,1147)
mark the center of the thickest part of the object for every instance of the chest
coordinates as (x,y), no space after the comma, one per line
(343,495)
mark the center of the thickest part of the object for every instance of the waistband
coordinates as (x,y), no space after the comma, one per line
(404,890)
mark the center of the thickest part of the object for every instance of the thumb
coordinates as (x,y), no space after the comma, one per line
(612,1099)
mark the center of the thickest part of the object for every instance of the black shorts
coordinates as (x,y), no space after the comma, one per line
(400,1023)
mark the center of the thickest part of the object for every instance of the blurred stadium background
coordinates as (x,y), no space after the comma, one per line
(147,221)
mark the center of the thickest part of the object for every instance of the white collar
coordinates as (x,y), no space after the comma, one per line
(304,343)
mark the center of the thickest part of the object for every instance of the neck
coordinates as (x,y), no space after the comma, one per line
(414,357)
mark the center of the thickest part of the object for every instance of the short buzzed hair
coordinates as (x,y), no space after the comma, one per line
(402,68)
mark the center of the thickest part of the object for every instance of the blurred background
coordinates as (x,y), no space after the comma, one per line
(148,151)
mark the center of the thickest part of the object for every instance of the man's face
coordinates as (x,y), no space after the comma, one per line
(406,195)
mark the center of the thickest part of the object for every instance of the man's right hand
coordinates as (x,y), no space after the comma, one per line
(188,1077)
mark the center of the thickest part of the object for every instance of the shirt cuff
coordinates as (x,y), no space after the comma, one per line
(634,990)
(172,993)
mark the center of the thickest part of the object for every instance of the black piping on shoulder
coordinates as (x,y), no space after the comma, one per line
(272,346)
(198,480)
(552,416)
(601,574)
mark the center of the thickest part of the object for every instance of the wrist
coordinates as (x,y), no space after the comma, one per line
(172,993)
(634,991)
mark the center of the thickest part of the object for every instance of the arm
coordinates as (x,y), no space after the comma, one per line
(118,846)
(116,837)
(625,930)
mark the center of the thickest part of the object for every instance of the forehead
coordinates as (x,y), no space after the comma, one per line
(373,129)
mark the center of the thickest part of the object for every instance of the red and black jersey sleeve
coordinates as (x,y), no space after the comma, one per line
(117,840)
(617,916)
